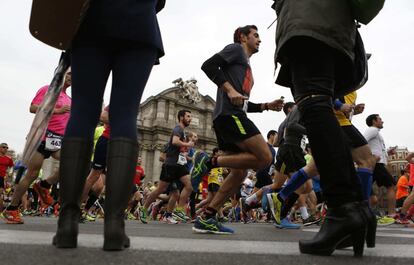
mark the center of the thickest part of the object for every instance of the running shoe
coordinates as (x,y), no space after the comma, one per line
(131,216)
(90,217)
(211,226)
(275,206)
(170,220)
(44,194)
(27,212)
(12,217)
(286,224)
(181,216)
(311,220)
(402,220)
(221,219)
(143,215)
(385,220)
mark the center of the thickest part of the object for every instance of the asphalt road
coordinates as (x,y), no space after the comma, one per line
(159,243)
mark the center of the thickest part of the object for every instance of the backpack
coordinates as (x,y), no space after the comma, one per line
(364,11)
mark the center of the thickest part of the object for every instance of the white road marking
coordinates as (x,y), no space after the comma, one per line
(200,245)
(315,230)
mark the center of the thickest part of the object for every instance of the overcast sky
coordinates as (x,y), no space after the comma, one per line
(193,30)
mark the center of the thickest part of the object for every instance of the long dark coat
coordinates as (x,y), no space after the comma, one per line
(328,21)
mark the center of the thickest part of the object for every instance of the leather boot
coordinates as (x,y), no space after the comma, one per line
(371,221)
(340,224)
(121,163)
(74,168)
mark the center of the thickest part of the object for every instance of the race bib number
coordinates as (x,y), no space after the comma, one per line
(182,160)
(271,170)
(303,143)
(53,142)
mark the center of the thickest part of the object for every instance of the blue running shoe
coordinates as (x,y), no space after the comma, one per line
(211,226)
(286,224)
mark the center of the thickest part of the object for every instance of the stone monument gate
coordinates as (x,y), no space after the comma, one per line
(158,116)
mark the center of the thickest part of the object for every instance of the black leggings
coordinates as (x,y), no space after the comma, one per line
(314,72)
(92,62)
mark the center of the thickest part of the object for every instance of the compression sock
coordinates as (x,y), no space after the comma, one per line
(297,180)
(288,204)
(91,200)
(365,176)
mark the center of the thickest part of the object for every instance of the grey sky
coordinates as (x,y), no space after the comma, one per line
(193,30)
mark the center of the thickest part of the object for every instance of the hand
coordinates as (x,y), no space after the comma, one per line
(236,98)
(276,105)
(391,151)
(359,108)
(347,108)
(190,144)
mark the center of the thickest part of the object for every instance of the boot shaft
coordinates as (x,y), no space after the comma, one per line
(121,163)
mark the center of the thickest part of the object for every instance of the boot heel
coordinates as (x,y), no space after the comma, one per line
(66,241)
(371,234)
(115,244)
(358,241)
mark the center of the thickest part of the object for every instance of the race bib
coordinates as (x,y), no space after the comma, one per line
(271,170)
(182,160)
(303,143)
(53,142)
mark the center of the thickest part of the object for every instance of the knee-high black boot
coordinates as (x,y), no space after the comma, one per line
(74,167)
(121,162)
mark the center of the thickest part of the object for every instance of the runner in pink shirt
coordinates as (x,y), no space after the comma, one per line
(49,147)
(61,114)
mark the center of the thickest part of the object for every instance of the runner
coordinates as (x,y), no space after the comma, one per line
(240,140)
(175,167)
(49,147)
(377,145)
(5,163)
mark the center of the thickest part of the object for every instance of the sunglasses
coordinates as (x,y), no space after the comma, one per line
(5,147)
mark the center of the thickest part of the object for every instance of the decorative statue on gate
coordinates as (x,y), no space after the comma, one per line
(189,89)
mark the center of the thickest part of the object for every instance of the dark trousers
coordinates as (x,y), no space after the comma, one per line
(92,62)
(314,71)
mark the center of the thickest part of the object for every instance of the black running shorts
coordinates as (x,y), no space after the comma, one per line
(289,159)
(99,157)
(382,177)
(232,129)
(173,172)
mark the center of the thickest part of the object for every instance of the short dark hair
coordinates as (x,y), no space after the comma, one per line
(370,119)
(270,133)
(182,113)
(242,30)
(287,106)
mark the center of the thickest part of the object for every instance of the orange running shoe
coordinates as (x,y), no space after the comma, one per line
(43,193)
(12,217)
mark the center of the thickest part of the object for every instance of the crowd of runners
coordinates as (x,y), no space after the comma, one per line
(324,180)
(279,184)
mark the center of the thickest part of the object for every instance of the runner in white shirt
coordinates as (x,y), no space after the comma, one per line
(377,145)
